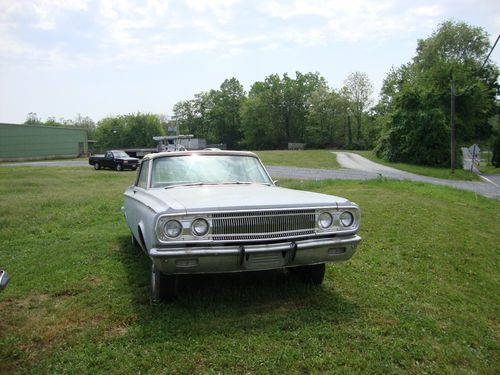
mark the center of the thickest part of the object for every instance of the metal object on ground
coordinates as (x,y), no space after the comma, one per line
(4,279)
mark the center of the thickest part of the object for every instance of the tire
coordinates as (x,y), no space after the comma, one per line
(134,241)
(163,287)
(313,274)
(119,167)
(97,166)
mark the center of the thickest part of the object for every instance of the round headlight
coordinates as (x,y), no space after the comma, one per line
(346,219)
(172,228)
(325,220)
(199,227)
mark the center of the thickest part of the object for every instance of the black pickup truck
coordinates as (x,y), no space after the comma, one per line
(114,159)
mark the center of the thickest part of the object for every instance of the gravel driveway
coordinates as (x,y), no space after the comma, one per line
(356,167)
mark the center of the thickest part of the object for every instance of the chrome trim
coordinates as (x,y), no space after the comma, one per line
(217,259)
(257,225)
(234,250)
(260,224)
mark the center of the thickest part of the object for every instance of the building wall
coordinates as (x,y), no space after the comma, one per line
(38,142)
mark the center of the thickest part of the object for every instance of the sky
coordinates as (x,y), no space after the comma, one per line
(99,58)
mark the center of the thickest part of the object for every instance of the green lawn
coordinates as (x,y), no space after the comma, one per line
(444,173)
(420,296)
(321,159)
(486,166)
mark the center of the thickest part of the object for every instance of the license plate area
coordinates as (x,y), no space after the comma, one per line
(263,261)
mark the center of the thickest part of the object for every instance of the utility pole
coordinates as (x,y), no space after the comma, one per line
(349,131)
(453,129)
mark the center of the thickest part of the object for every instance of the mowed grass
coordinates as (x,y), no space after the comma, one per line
(438,172)
(320,159)
(420,296)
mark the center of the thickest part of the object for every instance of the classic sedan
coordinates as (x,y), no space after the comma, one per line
(220,211)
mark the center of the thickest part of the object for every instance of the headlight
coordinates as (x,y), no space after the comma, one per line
(325,220)
(346,219)
(199,227)
(172,228)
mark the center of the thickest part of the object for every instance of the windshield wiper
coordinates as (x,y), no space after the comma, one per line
(217,183)
(236,183)
(187,184)
(245,183)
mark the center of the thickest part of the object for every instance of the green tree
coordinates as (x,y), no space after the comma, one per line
(419,92)
(359,91)
(326,119)
(183,116)
(51,121)
(213,115)
(229,99)
(128,131)
(282,106)
(33,119)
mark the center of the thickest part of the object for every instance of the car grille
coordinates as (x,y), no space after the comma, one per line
(262,224)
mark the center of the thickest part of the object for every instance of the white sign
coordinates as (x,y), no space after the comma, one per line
(475,152)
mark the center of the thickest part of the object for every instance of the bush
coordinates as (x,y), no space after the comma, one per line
(417,132)
(495,160)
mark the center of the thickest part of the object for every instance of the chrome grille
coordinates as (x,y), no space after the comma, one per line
(262,224)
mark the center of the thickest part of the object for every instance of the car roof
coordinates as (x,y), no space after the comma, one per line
(200,152)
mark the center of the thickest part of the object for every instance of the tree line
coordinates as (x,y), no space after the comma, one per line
(279,110)
(409,123)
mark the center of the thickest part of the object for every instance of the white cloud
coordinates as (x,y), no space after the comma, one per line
(352,20)
(44,12)
(221,9)
(151,30)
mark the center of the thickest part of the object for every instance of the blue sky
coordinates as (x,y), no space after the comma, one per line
(109,57)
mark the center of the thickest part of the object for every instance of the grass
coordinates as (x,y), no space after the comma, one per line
(489,169)
(437,172)
(54,158)
(321,159)
(486,167)
(420,296)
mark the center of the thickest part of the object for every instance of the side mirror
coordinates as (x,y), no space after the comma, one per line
(276,182)
(4,279)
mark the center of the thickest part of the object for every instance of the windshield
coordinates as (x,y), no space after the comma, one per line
(120,154)
(207,169)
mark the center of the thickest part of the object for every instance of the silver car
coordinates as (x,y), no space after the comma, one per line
(219,211)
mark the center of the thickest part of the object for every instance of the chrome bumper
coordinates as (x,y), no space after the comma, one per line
(218,259)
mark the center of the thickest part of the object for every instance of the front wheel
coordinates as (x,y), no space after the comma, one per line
(163,287)
(119,167)
(312,274)
(97,166)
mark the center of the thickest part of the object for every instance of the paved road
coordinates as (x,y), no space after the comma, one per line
(356,167)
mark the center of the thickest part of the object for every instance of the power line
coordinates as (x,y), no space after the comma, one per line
(489,54)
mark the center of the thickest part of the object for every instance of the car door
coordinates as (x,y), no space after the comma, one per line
(108,160)
(133,207)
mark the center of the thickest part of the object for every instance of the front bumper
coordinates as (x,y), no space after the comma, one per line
(221,259)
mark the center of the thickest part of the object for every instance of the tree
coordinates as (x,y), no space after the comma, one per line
(359,91)
(213,115)
(326,119)
(227,112)
(453,53)
(51,121)
(281,104)
(33,119)
(183,116)
(133,130)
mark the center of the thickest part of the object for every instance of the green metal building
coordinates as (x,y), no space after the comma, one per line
(25,142)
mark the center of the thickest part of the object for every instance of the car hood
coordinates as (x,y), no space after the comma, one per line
(129,159)
(240,197)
